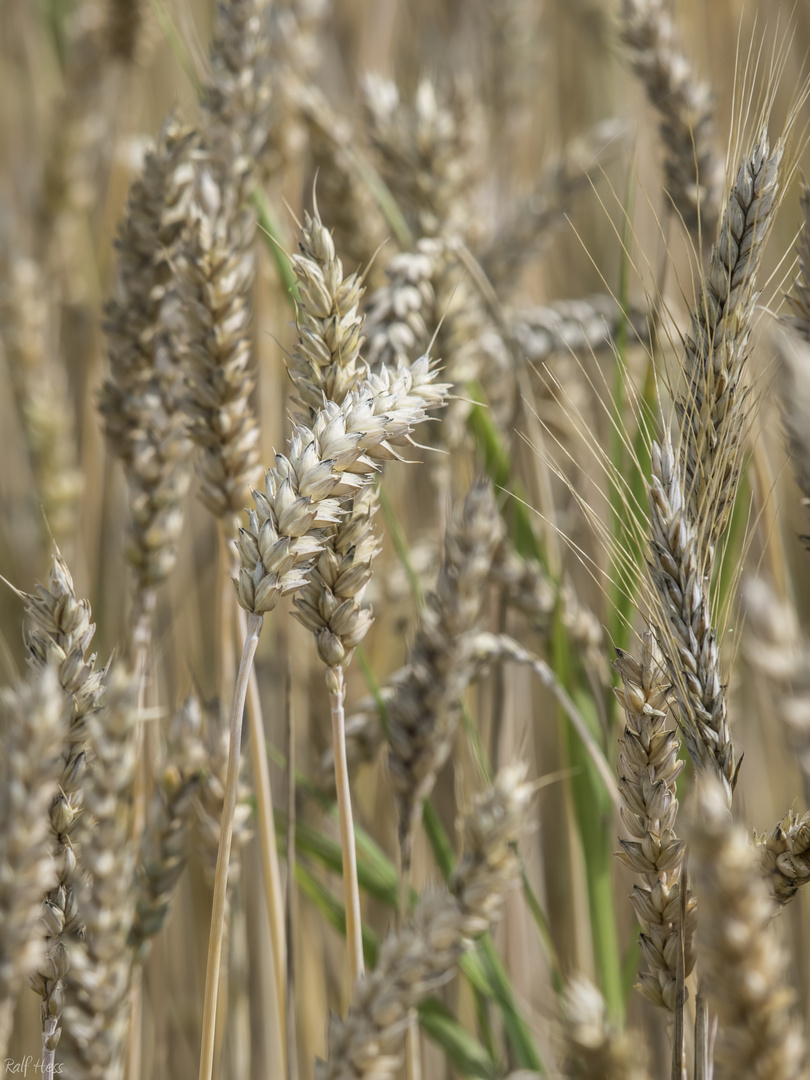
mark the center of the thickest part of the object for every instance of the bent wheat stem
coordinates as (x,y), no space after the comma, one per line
(354,938)
(220,904)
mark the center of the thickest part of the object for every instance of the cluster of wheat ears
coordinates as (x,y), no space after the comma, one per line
(583,611)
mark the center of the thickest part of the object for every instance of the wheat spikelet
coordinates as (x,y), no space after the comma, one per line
(237,97)
(32,727)
(648,770)
(784,856)
(741,961)
(369,1042)
(527,587)
(330,603)
(399,314)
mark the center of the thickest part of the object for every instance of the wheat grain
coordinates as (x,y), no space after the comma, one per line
(585,326)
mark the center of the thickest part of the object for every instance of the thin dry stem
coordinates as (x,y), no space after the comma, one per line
(351,889)
(223,857)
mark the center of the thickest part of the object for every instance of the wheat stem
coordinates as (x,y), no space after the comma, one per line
(267,834)
(354,937)
(291,1039)
(220,904)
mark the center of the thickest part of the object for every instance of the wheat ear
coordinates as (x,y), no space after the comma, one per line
(61,635)
(32,723)
(369,1042)
(714,405)
(648,770)
(687,637)
(423,712)
(694,171)
(98,1011)
(328,458)
(742,964)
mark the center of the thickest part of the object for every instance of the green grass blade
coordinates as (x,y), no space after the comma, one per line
(517,1030)
(484,967)
(463,1050)
(375,873)
(333,910)
(271,231)
(401,547)
(439,841)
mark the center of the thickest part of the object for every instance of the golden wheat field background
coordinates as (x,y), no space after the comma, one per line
(495,315)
